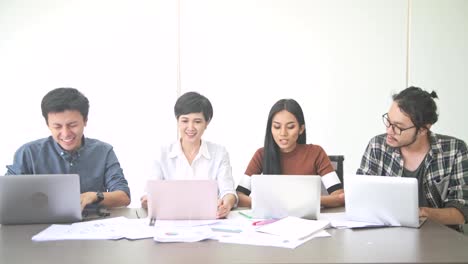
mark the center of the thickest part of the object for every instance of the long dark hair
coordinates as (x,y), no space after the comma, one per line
(271,155)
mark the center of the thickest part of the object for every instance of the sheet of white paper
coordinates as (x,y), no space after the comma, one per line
(294,227)
(111,228)
(339,220)
(234,222)
(229,227)
(263,239)
(183,223)
(183,234)
(138,229)
(53,232)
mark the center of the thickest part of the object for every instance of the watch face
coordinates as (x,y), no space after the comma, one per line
(100,196)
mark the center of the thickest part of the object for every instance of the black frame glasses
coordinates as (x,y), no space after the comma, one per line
(396,129)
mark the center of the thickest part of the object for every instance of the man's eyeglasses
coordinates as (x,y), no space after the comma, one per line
(397,130)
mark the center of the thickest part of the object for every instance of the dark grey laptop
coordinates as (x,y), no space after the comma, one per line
(40,198)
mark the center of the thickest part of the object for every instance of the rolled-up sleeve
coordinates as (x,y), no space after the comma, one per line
(224,177)
(245,185)
(20,163)
(114,177)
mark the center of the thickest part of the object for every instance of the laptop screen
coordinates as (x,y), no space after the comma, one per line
(278,196)
(40,198)
(382,199)
(182,199)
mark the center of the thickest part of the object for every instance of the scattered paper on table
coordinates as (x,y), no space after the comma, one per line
(183,234)
(111,228)
(294,227)
(339,220)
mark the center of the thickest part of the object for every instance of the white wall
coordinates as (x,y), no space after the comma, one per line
(340,59)
(439,59)
(121,54)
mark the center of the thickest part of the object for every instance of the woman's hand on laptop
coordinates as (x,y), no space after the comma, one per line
(144,201)
(225,205)
(335,199)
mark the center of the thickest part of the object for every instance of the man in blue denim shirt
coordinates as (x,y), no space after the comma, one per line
(410,149)
(67,151)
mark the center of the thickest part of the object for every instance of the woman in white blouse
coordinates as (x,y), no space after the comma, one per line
(191,158)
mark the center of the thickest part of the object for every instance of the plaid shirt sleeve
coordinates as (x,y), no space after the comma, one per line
(457,195)
(371,163)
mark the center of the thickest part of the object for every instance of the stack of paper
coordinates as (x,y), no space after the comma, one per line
(289,232)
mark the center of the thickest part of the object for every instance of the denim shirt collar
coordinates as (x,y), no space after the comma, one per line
(66,155)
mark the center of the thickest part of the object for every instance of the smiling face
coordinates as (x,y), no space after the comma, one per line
(191,127)
(67,128)
(286,130)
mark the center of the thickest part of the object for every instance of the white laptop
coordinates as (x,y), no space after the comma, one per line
(34,199)
(182,199)
(384,200)
(278,196)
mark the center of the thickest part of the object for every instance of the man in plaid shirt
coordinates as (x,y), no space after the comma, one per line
(410,149)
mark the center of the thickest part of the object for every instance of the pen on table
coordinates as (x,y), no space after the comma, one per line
(264,222)
(138,216)
(245,215)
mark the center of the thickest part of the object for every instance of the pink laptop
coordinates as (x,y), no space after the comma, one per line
(182,199)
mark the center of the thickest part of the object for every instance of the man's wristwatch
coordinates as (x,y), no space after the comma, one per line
(100,197)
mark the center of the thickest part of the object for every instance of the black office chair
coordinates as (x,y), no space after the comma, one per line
(337,163)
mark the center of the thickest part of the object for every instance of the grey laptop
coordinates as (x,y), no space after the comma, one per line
(384,200)
(40,198)
(278,196)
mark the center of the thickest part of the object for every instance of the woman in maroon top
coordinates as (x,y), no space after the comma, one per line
(285,152)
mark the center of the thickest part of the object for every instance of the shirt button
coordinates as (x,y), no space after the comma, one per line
(61,153)
(71,164)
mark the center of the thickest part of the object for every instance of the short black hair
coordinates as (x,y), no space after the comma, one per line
(62,99)
(193,102)
(419,105)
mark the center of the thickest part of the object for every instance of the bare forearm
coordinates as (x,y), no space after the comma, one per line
(225,205)
(335,199)
(229,199)
(115,199)
(446,216)
(244,200)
